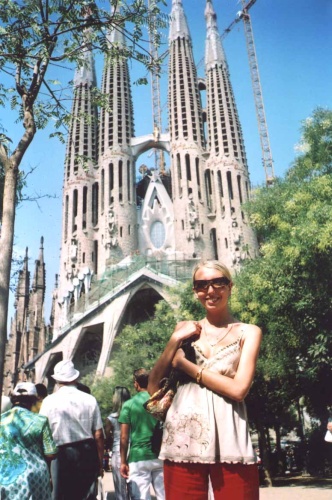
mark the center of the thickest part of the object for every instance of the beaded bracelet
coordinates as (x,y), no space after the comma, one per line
(199,376)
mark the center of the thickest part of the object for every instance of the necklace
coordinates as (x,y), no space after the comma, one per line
(219,338)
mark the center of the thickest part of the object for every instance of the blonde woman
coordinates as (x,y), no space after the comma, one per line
(206,433)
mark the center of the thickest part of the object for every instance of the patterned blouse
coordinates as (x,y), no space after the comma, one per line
(25,437)
(203,426)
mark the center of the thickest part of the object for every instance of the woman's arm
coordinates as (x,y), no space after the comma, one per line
(182,331)
(235,388)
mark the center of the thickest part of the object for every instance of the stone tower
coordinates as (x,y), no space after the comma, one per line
(80,207)
(187,143)
(118,218)
(194,211)
(28,333)
(226,172)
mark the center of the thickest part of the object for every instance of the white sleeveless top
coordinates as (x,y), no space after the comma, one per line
(204,427)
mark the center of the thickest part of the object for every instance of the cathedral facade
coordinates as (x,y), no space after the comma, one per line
(124,240)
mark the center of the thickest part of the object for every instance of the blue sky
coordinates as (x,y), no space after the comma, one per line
(293,40)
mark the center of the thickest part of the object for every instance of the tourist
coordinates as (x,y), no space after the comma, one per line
(141,468)
(206,434)
(112,434)
(77,429)
(27,447)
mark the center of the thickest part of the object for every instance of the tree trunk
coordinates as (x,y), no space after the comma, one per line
(264,451)
(6,242)
(11,167)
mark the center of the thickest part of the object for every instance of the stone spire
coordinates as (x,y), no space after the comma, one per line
(19,324)
(36,337)
(214,52)
(179,27)
(226,168)
(118,225)
(81,188)
(38,281)
(187,141)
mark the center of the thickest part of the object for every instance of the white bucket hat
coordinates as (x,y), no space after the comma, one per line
(25,389)
(64,371)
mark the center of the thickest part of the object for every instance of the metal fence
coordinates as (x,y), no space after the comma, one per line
(118,275)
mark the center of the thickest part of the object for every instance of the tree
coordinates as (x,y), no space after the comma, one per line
(35,36)
(287,289)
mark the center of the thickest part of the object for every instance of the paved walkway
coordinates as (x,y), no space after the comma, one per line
(295,489)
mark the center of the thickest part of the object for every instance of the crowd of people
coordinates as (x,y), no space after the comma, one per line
(53,446)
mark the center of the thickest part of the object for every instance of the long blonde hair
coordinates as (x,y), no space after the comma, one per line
(120,396)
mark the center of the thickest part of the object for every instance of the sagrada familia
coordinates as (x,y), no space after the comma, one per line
(124,242)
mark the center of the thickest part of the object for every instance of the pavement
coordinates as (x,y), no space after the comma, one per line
(295,488)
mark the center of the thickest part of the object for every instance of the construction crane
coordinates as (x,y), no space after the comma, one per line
(155,88)
(256,84)
(258,94)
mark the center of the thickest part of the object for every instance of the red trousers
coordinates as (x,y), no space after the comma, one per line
(190,481)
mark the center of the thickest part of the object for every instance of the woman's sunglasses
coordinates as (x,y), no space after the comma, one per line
(216,283)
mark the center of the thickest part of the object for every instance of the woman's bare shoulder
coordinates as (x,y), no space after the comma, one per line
(249,329)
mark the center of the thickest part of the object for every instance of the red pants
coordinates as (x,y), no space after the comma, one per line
(189,481)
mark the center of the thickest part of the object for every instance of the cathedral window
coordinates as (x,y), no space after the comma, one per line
(178,168)
(239,187)
(111,183)
(213,236)
(157,234)
(220,186)
(229,185)
(120,180)
(102,193)
(84,206)
(128,180)
(247,190)
(208,187)
(75,203)
(187,158)
(95,256)
(66,217)
(198,179)
(95,201)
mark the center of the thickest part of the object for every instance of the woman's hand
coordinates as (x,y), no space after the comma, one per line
(185,330)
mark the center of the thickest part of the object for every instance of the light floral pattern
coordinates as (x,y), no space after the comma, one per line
(203,426)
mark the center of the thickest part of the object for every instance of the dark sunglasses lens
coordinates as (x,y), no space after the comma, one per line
(200,285)
(219,282)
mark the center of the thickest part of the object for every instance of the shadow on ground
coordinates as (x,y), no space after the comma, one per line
(307,482)
(111,496)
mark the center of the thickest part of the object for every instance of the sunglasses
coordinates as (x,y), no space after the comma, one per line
(216,283)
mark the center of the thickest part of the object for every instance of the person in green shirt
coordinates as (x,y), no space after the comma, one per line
(141,467)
